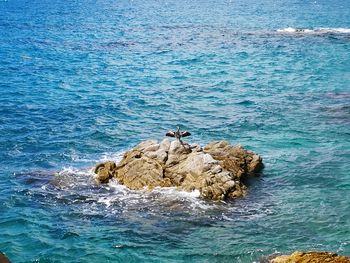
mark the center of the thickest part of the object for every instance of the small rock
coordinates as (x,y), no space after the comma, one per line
(310,257)
(105,171)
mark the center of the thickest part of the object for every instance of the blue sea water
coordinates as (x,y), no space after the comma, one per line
(83,81)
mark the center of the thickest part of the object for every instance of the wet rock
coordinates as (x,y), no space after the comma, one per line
(105,171)
(310,257)
(215,171)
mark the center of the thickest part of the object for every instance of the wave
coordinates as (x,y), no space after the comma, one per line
(319,30)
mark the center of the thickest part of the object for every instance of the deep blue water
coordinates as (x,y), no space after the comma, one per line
(82,81)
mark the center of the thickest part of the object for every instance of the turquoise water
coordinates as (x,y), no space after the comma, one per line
(82,81)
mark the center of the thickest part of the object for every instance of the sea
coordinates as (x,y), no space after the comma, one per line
(83,81)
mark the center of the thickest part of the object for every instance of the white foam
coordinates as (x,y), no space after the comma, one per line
(107,200)
(226,218)
(116,187)
(173,192)
(116,157)
(163,194)
(73,171)
(320,30)
(168,192)
(287,30)
(192,198)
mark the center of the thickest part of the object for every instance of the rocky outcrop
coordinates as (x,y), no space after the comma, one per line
(310,257)
(215,170)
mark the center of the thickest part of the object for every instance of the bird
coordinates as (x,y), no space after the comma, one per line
(178,134)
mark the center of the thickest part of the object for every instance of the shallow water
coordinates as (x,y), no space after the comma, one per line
(81,82)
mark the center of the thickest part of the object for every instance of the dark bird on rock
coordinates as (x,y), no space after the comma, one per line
(178,134)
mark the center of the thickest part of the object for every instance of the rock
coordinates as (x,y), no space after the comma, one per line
(105,171)
(235,158)
(159,155)
(3,258)
(137,170)
(255,165)
(196,163)
(177,153)
(310,257)
(144,145)
(165,145)
(215,171)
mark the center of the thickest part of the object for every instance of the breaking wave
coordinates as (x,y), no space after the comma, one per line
(319,30)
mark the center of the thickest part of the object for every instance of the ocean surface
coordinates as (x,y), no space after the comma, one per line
(83,81)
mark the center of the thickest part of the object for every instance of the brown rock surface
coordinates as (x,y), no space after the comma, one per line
(215,171)
(235,158)
(311,257)
(3,258)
